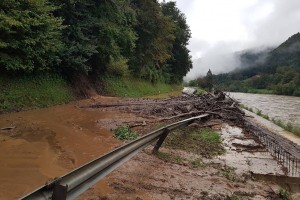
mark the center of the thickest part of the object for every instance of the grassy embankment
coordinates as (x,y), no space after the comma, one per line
(37,91)
(286,126)
(129,87)
(29,92)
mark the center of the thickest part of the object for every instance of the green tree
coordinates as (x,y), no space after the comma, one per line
(79,36)
(209,80)
(30,36)
(155,33)
(180,62)
(99,36)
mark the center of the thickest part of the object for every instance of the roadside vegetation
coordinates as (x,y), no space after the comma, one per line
(33,91)
(124,133)
(129,87)
(204,142)
(138,46)
(286,126)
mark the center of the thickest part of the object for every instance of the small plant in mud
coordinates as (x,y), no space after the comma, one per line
(168,157)
(229,173)
(259,112)
(235,197)
(124,133)
(197,163)
(284,194)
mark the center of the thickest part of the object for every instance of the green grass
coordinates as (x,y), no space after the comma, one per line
(124,133)
(204,142)
(167,157)
(130,87)
(229,173)
(28,92)
(284,194)
(235,197)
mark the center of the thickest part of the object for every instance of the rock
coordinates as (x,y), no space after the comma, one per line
(189,91)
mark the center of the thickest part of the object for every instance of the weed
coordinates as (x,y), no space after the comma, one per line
(197,163)
(259,112)
(169,157)
(289,127)
(235,197)
(284,194)
(229,173)
(124,133)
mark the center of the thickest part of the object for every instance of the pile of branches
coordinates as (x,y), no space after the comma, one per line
(218,105)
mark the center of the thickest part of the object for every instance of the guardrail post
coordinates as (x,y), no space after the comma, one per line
(160,140)
(60,192)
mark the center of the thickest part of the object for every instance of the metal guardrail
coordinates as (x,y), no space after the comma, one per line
(76,182)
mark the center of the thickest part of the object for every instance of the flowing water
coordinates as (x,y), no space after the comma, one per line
(285,108)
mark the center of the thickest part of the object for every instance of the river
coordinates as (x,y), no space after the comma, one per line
(285,108)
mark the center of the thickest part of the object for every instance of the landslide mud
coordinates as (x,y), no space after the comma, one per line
(42,144)
(47,143)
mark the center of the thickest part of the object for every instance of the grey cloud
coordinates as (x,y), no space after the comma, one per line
(283,22)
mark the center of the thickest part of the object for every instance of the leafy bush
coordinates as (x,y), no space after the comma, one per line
(124,133)
(118,66)
(284,194)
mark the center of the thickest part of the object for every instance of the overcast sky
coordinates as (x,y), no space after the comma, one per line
(220,27)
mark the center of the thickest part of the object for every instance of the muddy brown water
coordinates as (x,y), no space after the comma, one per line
(47,143)
(285,108)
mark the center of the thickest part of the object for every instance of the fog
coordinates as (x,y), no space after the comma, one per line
(220,28)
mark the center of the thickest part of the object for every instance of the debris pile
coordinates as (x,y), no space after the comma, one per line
(217,105)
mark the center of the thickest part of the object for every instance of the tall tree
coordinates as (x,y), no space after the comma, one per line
(79,35)
(155,33)
(180,62)
(29,35)
(99,36)
(209,80)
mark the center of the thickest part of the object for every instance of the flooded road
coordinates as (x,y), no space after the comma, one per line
(47,143)
(285,108)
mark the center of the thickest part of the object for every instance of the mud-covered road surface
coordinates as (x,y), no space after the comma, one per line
(42,144)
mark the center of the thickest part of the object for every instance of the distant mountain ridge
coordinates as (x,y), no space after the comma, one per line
(276,70)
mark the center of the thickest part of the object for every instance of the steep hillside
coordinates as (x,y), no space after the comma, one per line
(279,73)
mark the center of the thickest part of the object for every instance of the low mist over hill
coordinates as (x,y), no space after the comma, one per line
(268,70)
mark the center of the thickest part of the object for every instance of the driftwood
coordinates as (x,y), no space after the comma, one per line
(219,105)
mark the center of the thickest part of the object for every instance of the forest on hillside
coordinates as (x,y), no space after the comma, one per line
(275,71)
(140,38)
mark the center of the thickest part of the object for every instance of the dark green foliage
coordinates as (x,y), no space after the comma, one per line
(79,36)
(155,34)
(279,74)
(107,38)
(180,62)
(124,133)
(29,36)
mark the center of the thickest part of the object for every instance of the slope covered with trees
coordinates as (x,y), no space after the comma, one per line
(140,39)
(278,74)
